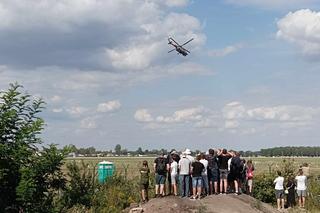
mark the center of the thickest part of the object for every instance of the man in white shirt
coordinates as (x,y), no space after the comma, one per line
(184,175)
(279,190)
(301,188)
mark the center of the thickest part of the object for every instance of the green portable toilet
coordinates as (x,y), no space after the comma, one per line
(105,170)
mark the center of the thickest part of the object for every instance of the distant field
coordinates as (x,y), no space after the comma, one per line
(132,164)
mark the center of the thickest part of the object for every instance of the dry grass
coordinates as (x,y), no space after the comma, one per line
(131,164)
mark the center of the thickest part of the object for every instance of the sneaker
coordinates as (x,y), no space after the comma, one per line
(192,198)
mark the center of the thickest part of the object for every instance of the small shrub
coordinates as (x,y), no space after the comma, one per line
(313,199)
(116,194)
(264,188)
(81,186)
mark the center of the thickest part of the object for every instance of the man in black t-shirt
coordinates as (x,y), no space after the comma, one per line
(213,171)
(223,157)
(235,170)
(160,166)
(196,168)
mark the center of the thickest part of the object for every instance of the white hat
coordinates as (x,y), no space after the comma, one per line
(188,152)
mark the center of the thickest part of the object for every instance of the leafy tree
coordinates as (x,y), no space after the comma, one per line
(139,151)
(28,176)
(117,149)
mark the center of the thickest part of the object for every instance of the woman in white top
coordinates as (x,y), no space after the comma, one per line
(279,190)
(204,173)
(174,175)
(301,188)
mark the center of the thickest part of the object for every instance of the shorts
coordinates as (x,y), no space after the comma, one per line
(301,193)
(250,182)
(235,175)
(174,178)
(223,174)
(214,175)
(160,179)
(196,182)
(144,186)
(280,194)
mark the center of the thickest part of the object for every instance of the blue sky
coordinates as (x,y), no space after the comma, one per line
(250,82)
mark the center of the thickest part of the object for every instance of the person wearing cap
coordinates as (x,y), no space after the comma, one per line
(184,175)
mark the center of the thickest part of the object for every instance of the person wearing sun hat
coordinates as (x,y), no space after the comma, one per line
(188,154)
(184,166)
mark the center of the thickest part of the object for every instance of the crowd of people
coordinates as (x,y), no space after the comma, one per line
(217,171)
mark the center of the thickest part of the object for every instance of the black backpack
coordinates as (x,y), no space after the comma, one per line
(161,166)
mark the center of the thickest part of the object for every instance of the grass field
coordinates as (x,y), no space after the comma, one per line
(132,164)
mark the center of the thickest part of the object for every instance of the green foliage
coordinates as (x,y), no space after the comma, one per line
(81,185)
(313,199)
(263,184)
(41,181)
(29,178)
(264,188)
(116,194)
(291,151)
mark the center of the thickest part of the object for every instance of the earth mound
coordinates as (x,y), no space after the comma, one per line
(210,204)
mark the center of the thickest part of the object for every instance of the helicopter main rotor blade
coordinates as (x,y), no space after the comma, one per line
(171,50)
(174,41)
(187,42)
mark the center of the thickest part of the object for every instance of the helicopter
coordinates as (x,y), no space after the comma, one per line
(179,48)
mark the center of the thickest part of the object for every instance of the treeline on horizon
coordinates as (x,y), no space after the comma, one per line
(288,151)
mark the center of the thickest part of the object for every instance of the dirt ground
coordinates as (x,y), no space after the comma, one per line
(211,204)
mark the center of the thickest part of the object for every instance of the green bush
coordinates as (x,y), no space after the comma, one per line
(81,185)
(264,188)
(30,178)
(313,199)
(116,194)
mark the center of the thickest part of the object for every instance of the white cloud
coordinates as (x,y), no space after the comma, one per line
(55,99)
(184,115)
(76,110)
(225,51)
(143,115)
(109,106)
(274,4)
(231,124)
(233,110)
(284,116)
(283,113)
(176,3)
(88,123)
(301,28)
(57,110)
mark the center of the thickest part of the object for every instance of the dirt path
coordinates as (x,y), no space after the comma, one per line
(210,204)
